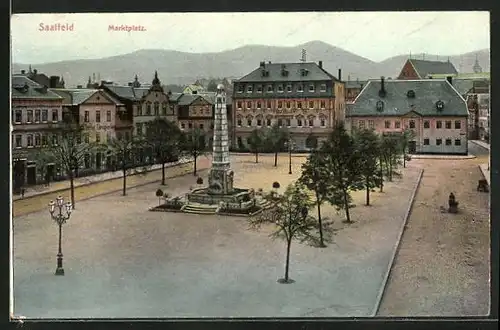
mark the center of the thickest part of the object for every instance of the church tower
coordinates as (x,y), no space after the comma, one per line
(477,68)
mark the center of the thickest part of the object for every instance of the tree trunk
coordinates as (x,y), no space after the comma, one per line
(163,174)
(320,222)
(287,262)
(72,189)
(404,158)
(390,169)
(195,158)
(381,175)
(276,159)
(256,157)
(346,206)
(367,192)
(124,181)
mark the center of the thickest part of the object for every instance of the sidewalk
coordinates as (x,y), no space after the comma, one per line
(481,144)
(83,181)
(485,169)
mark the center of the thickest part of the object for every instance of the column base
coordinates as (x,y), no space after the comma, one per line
(59,271)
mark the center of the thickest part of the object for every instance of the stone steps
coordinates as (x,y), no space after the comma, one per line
(196,208)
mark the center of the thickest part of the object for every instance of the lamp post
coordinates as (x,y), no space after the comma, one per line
(60,218)
(290,147)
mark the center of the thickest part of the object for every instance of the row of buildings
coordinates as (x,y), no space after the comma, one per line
(428,97)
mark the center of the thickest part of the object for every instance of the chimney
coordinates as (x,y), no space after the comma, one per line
(35,71)
(262,64)
(53,82)
(23,71)
(382,91)
(340,74)
(79,86)
(320,64)
(450,80)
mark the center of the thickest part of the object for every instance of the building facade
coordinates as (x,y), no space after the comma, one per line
(196,112)
(422,69)
(434,110)
(352,89)
(36,118)
(301,97)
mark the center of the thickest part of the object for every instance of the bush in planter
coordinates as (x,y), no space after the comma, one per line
(276,185)
(159,194)
(199,180)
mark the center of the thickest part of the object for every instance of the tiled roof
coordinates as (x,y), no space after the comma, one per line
(396,101)
(32,90)
(314,73)
(187,99)
(355,83)
(425,68)
(463,86)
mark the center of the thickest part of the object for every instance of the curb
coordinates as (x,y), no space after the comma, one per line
(443,157)
(93,182)
(118,190)
(396,248)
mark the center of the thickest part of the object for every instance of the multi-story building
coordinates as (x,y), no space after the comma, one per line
(302,97)
(432,109)
(352,89)
(196,111)
(36,118)
(43,79)
(422,69)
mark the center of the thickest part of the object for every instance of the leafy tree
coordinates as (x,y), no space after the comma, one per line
(367,144)
(289,215)
(406,136)
(313,177)
(311,142)
(256,142)
(163,136)
(341,161)
(193,144)
(212,86)
(274,140)
(125,151)
(43,159)
(389,149)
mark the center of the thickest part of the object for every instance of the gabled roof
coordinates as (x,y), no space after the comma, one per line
(80,95)
(397,103)
(314,73)
(25,88)
(425,68)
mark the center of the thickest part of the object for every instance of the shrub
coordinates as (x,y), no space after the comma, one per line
(199,180)
(159,193)
(276,185)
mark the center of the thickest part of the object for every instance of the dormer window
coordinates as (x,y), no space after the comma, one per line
(323,88)
(411,94)
(439,105)
(259,89)
(380,105)
(240,88)
(280,88)
(289,88)
(270,88)
(311,88)
(249,89)
(300,88)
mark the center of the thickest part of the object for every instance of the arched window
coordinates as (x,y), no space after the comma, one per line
(164,107)
(148,109)
(157,108)
(238,120)
(249,120)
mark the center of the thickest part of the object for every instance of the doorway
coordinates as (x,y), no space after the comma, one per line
(31,175)
(412,147)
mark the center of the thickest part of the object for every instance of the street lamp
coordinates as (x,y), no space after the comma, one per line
(60,218)
(289,143)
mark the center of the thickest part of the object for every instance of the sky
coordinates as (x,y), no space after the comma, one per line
(374,35)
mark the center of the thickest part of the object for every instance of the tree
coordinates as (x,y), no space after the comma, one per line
(406,136)
(313,177)
(126,151)
(68,150)
(256,142)
(289,214)
(389,149)
(367,144)
(274,140)
(341,161)
(212,86)
(192,144)
(311,142)
(164,137)
(43,159)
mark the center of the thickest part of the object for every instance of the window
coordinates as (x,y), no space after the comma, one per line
(164,108)
(311,122)
(98,137)
(156,106)
(299,122)
(30,140)
(397,124)
(288,104)
(86,117)
(427,124)
(412,124)
(18,117)
(238,104)
(202,126)
(183,125)
(447,124)
(37,116)
(361,124)
(268,104)
(259,89)
(458,142)
(108,115)
(439,124)
(148,109)
(323,123)
(426,142)
(311,88)
(268,122)
(86,138)
(439,142)
(240,88)
(288,123)
(259,122)
(280,122)
(280,104)
(270,88)
(249,89)
(238,122)
(371,124)
(211,126)
(19,140)
(458,124)
(138,127)
(44,140)
(86,161)
(323,104)
(448,142)
(311,104)
(289,88)
(38,139)
(249,122)
(190,125)
(280,88)
(249,105)
(323,88)
(98,116)
(30,116)
(387,124)
(259,105)
(300,88)
(55,139)
(299,105)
